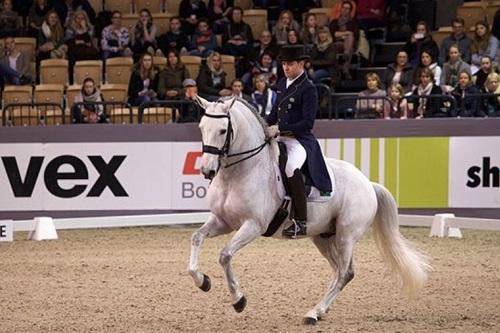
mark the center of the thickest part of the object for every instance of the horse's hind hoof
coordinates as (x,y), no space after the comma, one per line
(310,321)
(240,305)
(206,285)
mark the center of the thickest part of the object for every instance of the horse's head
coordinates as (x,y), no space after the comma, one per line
(216,133)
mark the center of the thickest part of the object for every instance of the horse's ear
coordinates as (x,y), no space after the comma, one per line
(202,102)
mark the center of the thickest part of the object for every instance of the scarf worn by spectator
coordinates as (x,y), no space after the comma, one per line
(94,97)
(423,91)
(452,73)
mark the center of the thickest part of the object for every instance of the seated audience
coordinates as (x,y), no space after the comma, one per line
(344,30)
(143,83)
(396,106)
(8,20)
(451,69)
(467,106)
(310,29)
(170,85)
(175,38)
(84,110)
(486,69)
(457,37)
(420,41)
(426,61)
(237,38)
(399,72)
(371,104)
(144,34)
(483,43)
(490,106)
(36,16)
(427,107)
(266,67)
(192,11)
(293,37)
(237,90)
(115,40)
(51,38)
(203,41)
(79,38)
(337,9)
(285,23)
(14,64)
(189,112)
(67,8)
(323,59)
(370,14)
(263,97)
(212,79)
(266,44)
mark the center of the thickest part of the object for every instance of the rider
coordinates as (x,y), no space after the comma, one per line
(293,117)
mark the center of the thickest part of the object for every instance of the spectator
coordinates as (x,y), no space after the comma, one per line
(217,12)
(171,80)
(87,111)
(427,107)
(265,67)
(143,82)
(203,42)
(372,103)
(144,36)
(310,29)
(266,44)
(293,37)
(486,69)
(8,20)
(115,40)
(420,41)
(337,10)
(189,112)
(426,61)
(483,43)
(51,38)
(467,106)
(192,11)
(323,60)
(457,37)
(490,107)
(36,17)
(263,97)
(396,106)
(67,8)
(345,31)
(495,30)
(79,38)
(14,65)
(285,23)
(237,38)
(174,39)
(237,90)
(371,14)
(455,65)
(212,79)
(399,72)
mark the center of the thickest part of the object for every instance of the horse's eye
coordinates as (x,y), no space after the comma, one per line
(222,132)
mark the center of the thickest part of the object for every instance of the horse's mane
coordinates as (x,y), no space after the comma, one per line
(252,108)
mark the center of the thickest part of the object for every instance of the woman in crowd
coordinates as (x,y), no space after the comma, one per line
(310,29)
(237,38)
(284,24)
(399,72)
(79,38)
(490,106)
(426,61)
(51,38)
(483,43)
(396,106)
(371,104)
(143,83)
(420,41)
(263,97)
(486,69)
(323,60)
(84,109)
(203,42)
(115,40)
(171,80)
(427,107)
(144,34)
(211,79)
(293,37)
(345,32)
(36,16)
(451,69)
(467,106)
(266,67)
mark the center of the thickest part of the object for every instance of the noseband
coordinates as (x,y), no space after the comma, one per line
(224,151)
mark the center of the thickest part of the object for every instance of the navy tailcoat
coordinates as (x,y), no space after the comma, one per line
(295,111)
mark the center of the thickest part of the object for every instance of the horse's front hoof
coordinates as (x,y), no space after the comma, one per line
(310,321)
(206,285)
(240,305)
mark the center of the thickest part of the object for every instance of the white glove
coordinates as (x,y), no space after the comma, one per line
(273,131)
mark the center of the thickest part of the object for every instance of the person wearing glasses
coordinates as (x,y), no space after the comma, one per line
(457,37)
(115,38)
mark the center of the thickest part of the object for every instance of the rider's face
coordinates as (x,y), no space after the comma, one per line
(292,69)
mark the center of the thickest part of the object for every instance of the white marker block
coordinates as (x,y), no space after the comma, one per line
(6,231)
(44,229)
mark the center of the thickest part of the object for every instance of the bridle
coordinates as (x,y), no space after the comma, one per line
(224,151)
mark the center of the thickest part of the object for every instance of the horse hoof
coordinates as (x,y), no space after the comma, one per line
(206,285)
(310,321)
(240,305)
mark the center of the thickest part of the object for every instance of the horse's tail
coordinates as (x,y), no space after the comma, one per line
(403,259)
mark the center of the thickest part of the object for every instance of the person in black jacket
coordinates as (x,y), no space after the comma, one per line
(399,72)
(420,41)
(467,106)
(237,38)
(143,83)
(323,60)
(192,11)
(63,7)
(428,107)
(212,79)
(175,38)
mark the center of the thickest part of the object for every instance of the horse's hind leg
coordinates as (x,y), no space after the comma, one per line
(339,251)
(247,233)
(212,227)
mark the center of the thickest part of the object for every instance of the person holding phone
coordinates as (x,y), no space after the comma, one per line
(421,41)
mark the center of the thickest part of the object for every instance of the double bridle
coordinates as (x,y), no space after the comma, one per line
(224,151)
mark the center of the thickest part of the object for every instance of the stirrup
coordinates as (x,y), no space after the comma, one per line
(297,229)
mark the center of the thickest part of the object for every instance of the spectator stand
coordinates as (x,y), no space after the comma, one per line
(115,112)
(33,114)
(165,111)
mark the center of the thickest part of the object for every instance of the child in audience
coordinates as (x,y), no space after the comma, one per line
(397,106)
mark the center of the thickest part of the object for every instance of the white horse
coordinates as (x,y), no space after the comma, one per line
(244,197)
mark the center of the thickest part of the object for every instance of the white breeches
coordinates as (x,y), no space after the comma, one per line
(296,154)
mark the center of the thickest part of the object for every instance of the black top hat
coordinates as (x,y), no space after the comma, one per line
(293,53)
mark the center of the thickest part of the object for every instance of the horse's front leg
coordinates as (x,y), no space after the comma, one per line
(247,233)
(213,227)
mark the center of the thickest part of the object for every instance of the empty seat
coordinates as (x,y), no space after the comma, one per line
(172,6)
(228,64)
(20,115)
(257,19)
(50,93)
(385,53)
(114,92)
(162,22)
(471,14)
(54,71)
(344,104)
(322,15)
(129,21)
(491,10)
(97,5)
(157,115)
(124,6)
(154,6)
(26,45)
(119,70)
(243,4)
(160,62)
(193,64)
(88,68)
(439,36)
(71,92)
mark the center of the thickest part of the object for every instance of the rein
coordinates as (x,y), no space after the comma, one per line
(224,151)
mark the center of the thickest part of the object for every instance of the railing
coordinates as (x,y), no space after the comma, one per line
(164,111)
(445,106)
(33,114)
(113,112)
(324,94)
(489,104)
(357,107)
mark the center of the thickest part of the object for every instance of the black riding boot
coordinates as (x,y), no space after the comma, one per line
(299,201)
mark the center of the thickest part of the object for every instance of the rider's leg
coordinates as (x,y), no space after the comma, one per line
(296,158)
